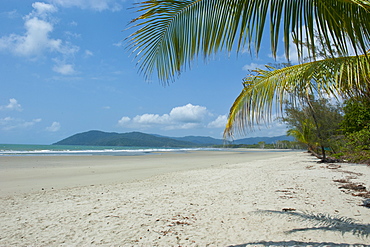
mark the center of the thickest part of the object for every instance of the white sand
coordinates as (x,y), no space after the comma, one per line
(194,199)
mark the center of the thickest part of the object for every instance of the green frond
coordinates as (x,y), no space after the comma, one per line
(171,33)
(343,76)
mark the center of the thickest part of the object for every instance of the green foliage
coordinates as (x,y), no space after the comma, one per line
(268,88)
(360,140)
(358,146)
(171,33)
(314,123)
(357,114)
(355,145)
(277,145)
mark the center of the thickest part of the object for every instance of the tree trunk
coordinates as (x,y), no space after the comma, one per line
(323,154)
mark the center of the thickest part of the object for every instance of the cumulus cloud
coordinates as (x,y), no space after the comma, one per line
(43,9)
(182,117)
(148,119)
(189,113)
(12,106)
(37,40)
(55,126)
(123,121)
(34,42)
(97,5)
(219,122)
(9,123)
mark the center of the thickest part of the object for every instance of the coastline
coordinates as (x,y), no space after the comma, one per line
(26,174)
(223,199)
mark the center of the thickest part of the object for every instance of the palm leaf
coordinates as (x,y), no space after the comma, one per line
(171,33)
(343,76)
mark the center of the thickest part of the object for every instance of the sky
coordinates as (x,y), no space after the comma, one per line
(65,69)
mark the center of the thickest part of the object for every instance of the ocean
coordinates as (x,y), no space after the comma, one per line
(59,150)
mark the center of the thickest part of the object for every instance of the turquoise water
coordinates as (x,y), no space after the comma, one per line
(42,150)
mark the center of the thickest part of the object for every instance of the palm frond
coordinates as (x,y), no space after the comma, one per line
(342,76)
(171,33)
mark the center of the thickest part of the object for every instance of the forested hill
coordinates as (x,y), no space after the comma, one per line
(133,139)
(138,139)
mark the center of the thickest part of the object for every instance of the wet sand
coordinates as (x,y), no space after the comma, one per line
(25,174)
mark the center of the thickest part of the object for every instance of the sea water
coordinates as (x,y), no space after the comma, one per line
(59,150)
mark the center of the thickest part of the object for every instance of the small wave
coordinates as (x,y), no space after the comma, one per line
(45,152)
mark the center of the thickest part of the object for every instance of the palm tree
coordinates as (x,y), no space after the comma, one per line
(171,33)
(303,135)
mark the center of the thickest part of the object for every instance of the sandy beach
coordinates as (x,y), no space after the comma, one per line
(199,198)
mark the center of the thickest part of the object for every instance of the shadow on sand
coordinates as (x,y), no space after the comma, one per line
(321,222)
(297,243)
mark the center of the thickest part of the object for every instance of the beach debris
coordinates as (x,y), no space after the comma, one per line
(288,209)
(362,194)
(353,186)
(333,166)
(343,181)
(288,193)
(352,173)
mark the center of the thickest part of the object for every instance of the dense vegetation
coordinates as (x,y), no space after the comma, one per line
(340,131)
(285,144)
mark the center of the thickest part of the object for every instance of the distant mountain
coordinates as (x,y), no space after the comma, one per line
(138,139)
(201,140)
(267,140)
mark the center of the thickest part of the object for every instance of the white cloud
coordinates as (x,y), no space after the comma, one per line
(55,126)
(36,40)
(43,8)
(123,121)
(219,122)
(34,43)
(147,119)
(13,105)
(183,117)
(253,66)
(188,113)
(10,123)
(88,53)
(64,69)
(97,5)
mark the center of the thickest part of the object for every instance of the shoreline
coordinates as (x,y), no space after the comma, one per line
(26,174)
(223,200)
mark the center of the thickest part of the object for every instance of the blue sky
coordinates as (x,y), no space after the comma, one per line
(64,70)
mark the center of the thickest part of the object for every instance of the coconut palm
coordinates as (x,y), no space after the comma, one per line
(341,76)
(171,33)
